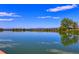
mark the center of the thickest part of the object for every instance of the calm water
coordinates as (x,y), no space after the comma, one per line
(38,43)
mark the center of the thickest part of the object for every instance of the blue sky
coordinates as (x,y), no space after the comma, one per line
(36,15)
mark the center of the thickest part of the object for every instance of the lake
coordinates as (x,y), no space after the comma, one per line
(38,43)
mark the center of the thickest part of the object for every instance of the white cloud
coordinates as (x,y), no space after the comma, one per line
(56,17)
(7,19)
(46,17)
(9,14)
(3,14)
(61,8)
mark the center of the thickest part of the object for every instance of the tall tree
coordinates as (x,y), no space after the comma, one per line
(68,24)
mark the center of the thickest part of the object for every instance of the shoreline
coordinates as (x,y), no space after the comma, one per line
(2,52)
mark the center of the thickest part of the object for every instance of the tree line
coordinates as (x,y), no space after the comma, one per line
(67,25)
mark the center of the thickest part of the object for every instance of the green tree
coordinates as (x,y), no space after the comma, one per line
(67,24)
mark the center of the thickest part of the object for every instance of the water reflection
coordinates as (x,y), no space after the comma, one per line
(68,39)
(4,43)
(56,51)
